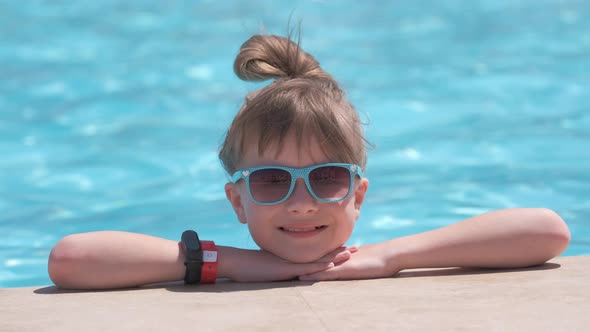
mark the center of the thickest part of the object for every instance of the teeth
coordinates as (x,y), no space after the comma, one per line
(308,229)
(299,229)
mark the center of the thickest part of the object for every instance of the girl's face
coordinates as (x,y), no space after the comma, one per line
(301,229)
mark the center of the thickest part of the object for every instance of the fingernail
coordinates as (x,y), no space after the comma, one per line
(346,253)
(331,265)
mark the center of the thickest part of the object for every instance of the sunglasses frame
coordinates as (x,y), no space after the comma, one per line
(297,173)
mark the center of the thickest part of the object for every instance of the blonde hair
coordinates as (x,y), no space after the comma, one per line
(302,98)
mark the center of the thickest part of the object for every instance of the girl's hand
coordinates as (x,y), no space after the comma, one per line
(259,266)
(370,261)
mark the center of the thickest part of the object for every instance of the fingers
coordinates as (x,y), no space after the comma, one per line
(344,255)
(308,268)
(341,257)
(319,270)
(353,248)
(331,274)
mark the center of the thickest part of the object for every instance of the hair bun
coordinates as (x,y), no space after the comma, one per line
(264,57)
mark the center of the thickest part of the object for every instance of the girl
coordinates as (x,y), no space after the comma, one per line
(295,153)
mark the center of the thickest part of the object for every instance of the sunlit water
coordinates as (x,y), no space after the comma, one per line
(111,114)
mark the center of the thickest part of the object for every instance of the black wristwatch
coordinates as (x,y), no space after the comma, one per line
(193,258)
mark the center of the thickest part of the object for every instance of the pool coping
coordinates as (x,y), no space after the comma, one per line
(554,296)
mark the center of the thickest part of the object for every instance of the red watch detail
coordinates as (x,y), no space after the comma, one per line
(209,270)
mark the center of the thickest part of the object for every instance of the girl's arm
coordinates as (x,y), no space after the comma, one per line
(510,238)
(100,260)
(109,259)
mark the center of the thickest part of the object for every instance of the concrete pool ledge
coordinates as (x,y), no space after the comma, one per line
(551,297)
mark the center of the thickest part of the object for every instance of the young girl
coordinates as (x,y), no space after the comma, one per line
(295,154)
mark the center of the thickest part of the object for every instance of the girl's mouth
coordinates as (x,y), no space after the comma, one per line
(303,231)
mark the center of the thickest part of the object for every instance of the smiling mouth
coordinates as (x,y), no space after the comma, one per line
(302,229)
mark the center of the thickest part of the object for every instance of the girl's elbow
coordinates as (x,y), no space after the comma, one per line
(555,231)
(64,260)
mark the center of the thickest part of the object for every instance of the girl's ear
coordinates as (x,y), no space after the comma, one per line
(359,194)
(232,192)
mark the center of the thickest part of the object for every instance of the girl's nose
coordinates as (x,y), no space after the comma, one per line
(301,200)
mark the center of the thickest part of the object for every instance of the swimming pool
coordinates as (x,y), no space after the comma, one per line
(111,114)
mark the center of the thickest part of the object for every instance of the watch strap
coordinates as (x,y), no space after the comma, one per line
(209,269)
(193,257)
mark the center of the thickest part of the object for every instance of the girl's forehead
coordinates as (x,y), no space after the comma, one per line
(290,153)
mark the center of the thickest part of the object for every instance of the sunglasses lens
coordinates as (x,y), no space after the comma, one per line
(270,185)
(330,182)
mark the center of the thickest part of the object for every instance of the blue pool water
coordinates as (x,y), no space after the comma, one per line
(111,113)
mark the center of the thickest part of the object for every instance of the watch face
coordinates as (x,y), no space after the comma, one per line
(190,239)
(209,256)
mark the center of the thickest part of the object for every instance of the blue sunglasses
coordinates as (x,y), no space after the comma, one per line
(269,185)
